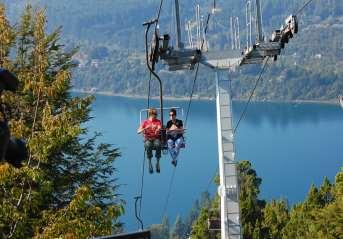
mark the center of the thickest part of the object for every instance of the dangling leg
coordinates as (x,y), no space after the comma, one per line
(171,149)
(158,148)
(178,144)
(148,148)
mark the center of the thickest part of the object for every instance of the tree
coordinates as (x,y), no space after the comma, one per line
(250,206)
(275,217)
(325,192)
(66,187)
(160,231)
(317,217)
(193,215)
(178,229)
(320,215)
(313,199)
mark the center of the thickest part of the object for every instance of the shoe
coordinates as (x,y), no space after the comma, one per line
(151,169)
(158,170)
(174,162)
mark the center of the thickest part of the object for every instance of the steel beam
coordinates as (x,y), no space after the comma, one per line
(179,44)
(229,188)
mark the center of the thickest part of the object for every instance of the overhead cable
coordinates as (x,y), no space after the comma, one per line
(251,94)
(303,7)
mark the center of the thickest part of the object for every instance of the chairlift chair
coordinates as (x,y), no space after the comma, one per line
(180,113)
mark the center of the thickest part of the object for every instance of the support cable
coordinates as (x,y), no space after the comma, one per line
(148,24)
(251,94)
(188,110)
(149,91)
(211,180)
(143,168)
(303,7)
(140,197)
(159,11)
(169,192)
(137,214)
(197,70)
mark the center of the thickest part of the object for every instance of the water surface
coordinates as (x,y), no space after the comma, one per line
(290,145)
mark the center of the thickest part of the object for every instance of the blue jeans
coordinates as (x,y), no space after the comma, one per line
(174,147)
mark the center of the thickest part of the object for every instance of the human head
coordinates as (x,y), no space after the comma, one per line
(172,112)
(152,112)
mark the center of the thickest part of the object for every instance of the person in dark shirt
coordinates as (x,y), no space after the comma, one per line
(175,138)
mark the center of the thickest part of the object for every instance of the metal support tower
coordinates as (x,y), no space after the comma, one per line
(259,21)
(178,59)
(229,188)
(179,44)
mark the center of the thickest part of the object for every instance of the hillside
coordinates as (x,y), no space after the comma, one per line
(111,40)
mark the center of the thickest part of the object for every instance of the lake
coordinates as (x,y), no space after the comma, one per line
(291,146)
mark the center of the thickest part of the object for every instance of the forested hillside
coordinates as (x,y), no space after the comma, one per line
(319,216)
(111,39)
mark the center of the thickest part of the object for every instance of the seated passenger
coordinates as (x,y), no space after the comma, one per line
(151,131)
(174,135)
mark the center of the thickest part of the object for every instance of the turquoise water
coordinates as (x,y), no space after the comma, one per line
(291,146)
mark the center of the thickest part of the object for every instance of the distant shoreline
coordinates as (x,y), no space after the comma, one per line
(183,98)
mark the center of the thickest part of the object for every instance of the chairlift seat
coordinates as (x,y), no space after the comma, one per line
(180,113)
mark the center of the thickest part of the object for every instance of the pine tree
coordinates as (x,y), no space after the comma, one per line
(178,229)
(193,215)
(66,186)
(275,217)
(160,231)
(325,192)
(313,199)
(250,206)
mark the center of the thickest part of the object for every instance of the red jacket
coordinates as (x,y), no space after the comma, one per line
(152,129)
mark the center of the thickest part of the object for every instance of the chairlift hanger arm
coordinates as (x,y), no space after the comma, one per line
(153,59)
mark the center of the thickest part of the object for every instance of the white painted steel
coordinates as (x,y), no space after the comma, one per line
(229,188)
(259,21)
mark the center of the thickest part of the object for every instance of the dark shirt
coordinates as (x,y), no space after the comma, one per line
(172,135)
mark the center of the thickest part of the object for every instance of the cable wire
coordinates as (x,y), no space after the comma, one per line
(303,7)
(196,71)
(251,95)
(191,95)
(149,92)
(159,11)
(169,192)
(186,119)
(140,197)
(211,180)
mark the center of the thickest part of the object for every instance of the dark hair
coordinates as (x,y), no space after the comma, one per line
(173,111)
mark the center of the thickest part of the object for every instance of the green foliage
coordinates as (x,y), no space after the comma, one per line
(179,229)
(82,218)
(310,67)
(160,231)
(319,216)
(66,187)
(275,217)
(250,206)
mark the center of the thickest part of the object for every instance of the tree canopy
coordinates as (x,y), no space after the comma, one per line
(67,185)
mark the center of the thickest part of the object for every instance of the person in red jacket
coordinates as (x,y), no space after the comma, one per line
(152,139)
